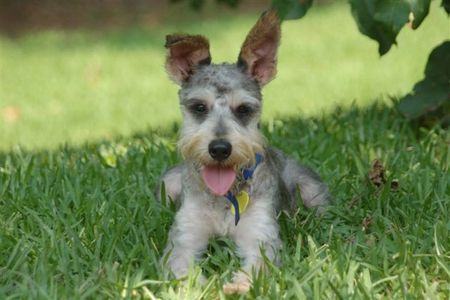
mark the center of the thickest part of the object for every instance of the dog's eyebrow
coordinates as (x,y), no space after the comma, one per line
(248,100)
(253,105)
(193,101)
(204,95)
(241,97)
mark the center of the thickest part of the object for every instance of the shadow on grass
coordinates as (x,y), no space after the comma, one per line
(338,144)
(81,219)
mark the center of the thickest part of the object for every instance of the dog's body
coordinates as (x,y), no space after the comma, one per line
(225,155)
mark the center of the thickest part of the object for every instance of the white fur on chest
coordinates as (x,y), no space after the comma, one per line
(202,216)
(213,213)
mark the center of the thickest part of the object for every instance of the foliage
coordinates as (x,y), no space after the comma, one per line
(382,21)
(433,91)
(446,5)
(82,222)
(291,9)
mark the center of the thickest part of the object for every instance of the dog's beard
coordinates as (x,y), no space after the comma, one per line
(195,149)
(219,177)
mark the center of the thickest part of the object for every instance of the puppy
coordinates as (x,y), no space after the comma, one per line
(230,183)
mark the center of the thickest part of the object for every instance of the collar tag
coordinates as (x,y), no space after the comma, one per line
(241,200)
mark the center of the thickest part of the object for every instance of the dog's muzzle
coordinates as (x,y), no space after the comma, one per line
(219,149)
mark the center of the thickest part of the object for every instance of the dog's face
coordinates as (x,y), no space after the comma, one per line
(221,103)
(221,108)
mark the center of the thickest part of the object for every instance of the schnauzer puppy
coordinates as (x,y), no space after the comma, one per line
(230,183)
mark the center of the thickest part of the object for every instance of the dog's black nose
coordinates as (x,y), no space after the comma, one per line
(219,149)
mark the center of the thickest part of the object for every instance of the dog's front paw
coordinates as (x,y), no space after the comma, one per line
(239,285)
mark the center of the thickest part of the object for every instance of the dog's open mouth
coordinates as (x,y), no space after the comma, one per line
(218,179)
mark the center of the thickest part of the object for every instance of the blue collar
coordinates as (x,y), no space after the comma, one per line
(247,173)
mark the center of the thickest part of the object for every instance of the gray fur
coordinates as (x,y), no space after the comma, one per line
(220,129)
(210,98)
(273,187)
(172,183)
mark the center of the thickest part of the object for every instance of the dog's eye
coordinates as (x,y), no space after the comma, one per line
(243,110)
(198,108)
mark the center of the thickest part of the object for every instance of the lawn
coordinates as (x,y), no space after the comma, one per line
(74,86)
(80,220)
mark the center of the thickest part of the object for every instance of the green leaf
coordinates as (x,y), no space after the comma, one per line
(446,5)
(291,9)
(363,12)
(438,63)
(382,20)
(419,10)
(392,14)
(434,90)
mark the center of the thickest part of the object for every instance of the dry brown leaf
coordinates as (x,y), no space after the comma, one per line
(395,185)
(376,173)
(367,222)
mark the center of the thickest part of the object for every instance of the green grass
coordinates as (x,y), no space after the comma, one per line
(76,86)
(82,222)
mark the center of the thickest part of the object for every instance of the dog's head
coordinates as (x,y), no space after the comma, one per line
(221,103)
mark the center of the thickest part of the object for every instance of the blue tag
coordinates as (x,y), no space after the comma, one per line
(247,173)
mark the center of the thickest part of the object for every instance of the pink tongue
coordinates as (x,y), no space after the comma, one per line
(218,179)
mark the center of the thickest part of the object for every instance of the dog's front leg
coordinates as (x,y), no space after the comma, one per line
(188,239)
(256,233)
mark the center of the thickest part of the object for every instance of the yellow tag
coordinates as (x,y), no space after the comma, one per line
(242,199)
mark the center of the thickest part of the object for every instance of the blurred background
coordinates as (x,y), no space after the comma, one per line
(79,71)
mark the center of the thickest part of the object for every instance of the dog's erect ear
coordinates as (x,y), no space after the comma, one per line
(258,56)
(186,53)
